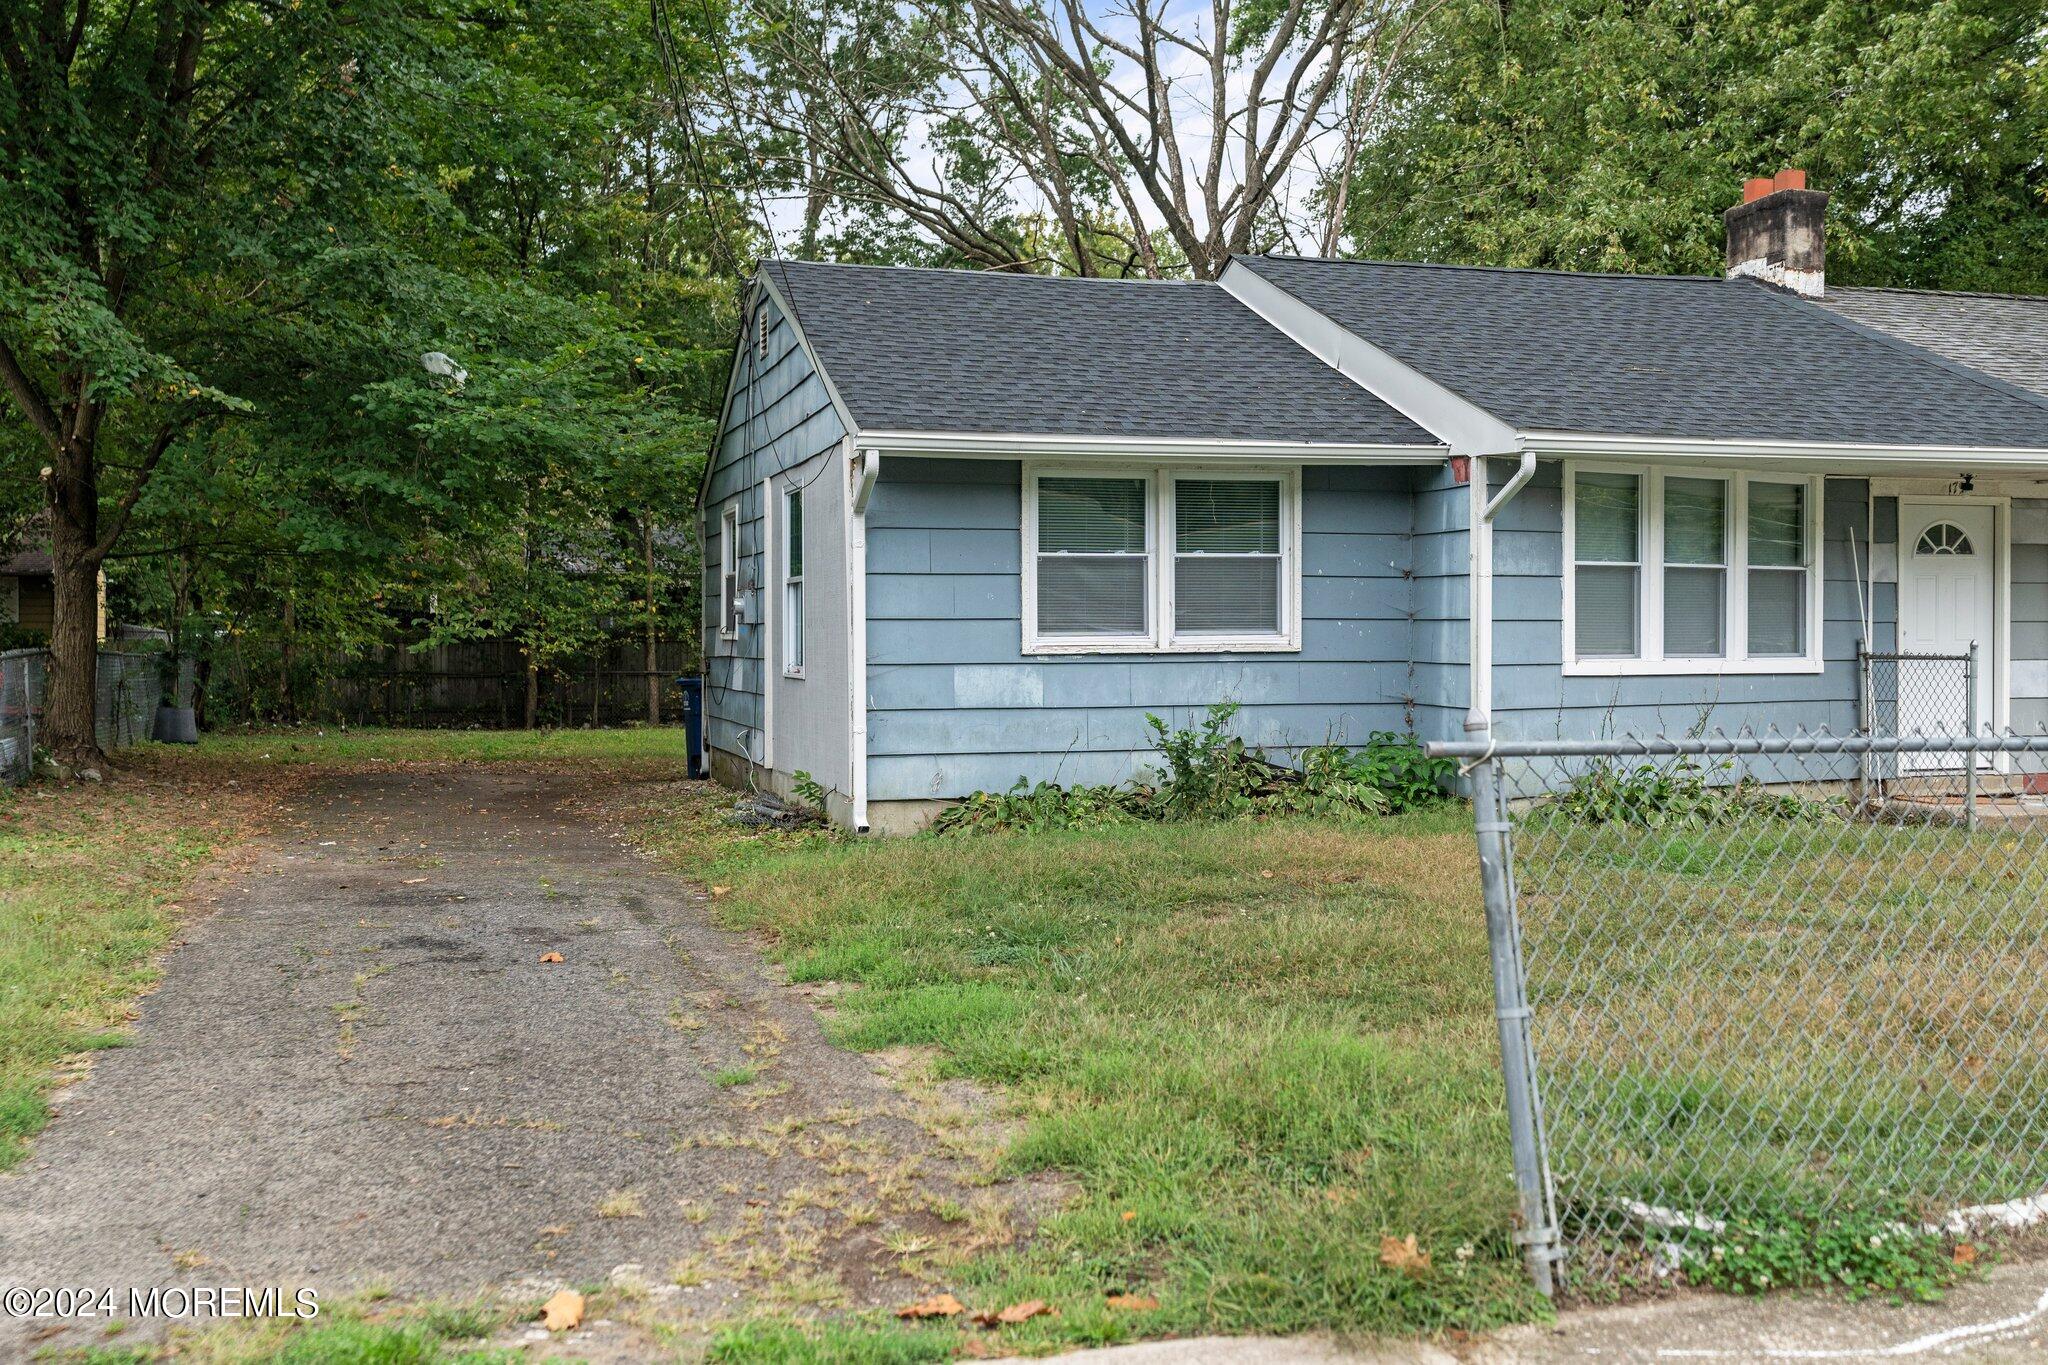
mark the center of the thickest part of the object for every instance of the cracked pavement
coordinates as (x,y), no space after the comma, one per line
(358,1072)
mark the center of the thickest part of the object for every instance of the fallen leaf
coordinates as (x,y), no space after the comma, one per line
(1965,1254)
(1399,1253)
(563,1311)
(937,1306)
(1267,873)
(550,957)
(1024,1312)
(720,890)
(1129,1214)
(1136,1303)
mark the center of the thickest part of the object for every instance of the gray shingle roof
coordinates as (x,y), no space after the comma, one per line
(2001,334)
(1646,355)
(972,351)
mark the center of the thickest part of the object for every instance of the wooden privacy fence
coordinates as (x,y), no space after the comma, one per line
(483,682)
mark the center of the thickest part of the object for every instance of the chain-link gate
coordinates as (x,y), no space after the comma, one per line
(1744,995)
(1905,694)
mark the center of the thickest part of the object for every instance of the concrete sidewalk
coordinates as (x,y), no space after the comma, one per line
(1999,1316)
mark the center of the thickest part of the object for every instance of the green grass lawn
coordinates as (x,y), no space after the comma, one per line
(1257,1048)
(88,882)
(1254,1050)
(657,749)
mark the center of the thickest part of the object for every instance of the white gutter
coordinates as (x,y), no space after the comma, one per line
(862,468)
(1479,714)
(1018,445)
(1854,458)
(867,467)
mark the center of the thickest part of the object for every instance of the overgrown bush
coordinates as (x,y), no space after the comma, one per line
(1210,774)
(1403,771)
(1043,806)
(1655,796)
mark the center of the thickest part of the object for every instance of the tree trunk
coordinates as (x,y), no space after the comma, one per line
(285,708)
(532,694)
(648,658)
(70,702)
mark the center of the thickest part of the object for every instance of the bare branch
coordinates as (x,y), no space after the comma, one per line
(136,487)
(1114,122)
(30,396)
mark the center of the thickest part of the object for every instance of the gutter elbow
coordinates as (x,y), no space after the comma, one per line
(1523,473)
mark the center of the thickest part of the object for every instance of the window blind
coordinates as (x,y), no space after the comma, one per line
(1092,558)
(1226,569)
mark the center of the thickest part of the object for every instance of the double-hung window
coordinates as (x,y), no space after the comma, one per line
(1692,571)
(1166,559)
(793,582)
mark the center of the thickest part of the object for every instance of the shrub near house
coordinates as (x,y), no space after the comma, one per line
(1211,774)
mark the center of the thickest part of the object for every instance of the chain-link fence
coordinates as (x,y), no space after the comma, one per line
(128,690)
(1747,1000)
(1903,694)
(21,699)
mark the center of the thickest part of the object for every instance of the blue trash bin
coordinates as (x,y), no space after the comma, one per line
(693,720)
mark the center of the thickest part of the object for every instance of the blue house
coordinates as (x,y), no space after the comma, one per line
(962,527)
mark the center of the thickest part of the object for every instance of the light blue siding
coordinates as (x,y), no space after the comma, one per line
(2029,615)
(956,706)
(1534,700)
(778,415)
(1440,610)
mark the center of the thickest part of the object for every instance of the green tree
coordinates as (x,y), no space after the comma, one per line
(153,159)
(1610,135)
(228,236)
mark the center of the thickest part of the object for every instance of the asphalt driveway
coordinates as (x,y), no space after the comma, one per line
(360,1071)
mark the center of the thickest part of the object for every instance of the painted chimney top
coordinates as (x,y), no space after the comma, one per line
(1777,233)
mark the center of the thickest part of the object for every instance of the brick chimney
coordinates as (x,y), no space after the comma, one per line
(1776,234)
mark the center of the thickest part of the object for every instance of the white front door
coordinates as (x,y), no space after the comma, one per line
(1948,600)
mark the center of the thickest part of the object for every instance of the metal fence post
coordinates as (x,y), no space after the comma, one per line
(1538,1232)
(1970,753)
(1865,720)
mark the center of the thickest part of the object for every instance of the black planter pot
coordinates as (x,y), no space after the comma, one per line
(175,725)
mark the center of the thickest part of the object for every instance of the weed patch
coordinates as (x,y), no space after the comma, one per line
(1256,1048)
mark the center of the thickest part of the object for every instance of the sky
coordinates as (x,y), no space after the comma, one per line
(1192,123)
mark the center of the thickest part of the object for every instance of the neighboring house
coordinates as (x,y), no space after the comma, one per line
(26,599)
(963,528)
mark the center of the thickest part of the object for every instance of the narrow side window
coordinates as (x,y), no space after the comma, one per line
(793,581)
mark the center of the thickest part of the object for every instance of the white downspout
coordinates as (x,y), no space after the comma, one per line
(862,468)
(1479,715)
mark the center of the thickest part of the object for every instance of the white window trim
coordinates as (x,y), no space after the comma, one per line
(1652,662)
(1159,553)
(728,568)
(792,658)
